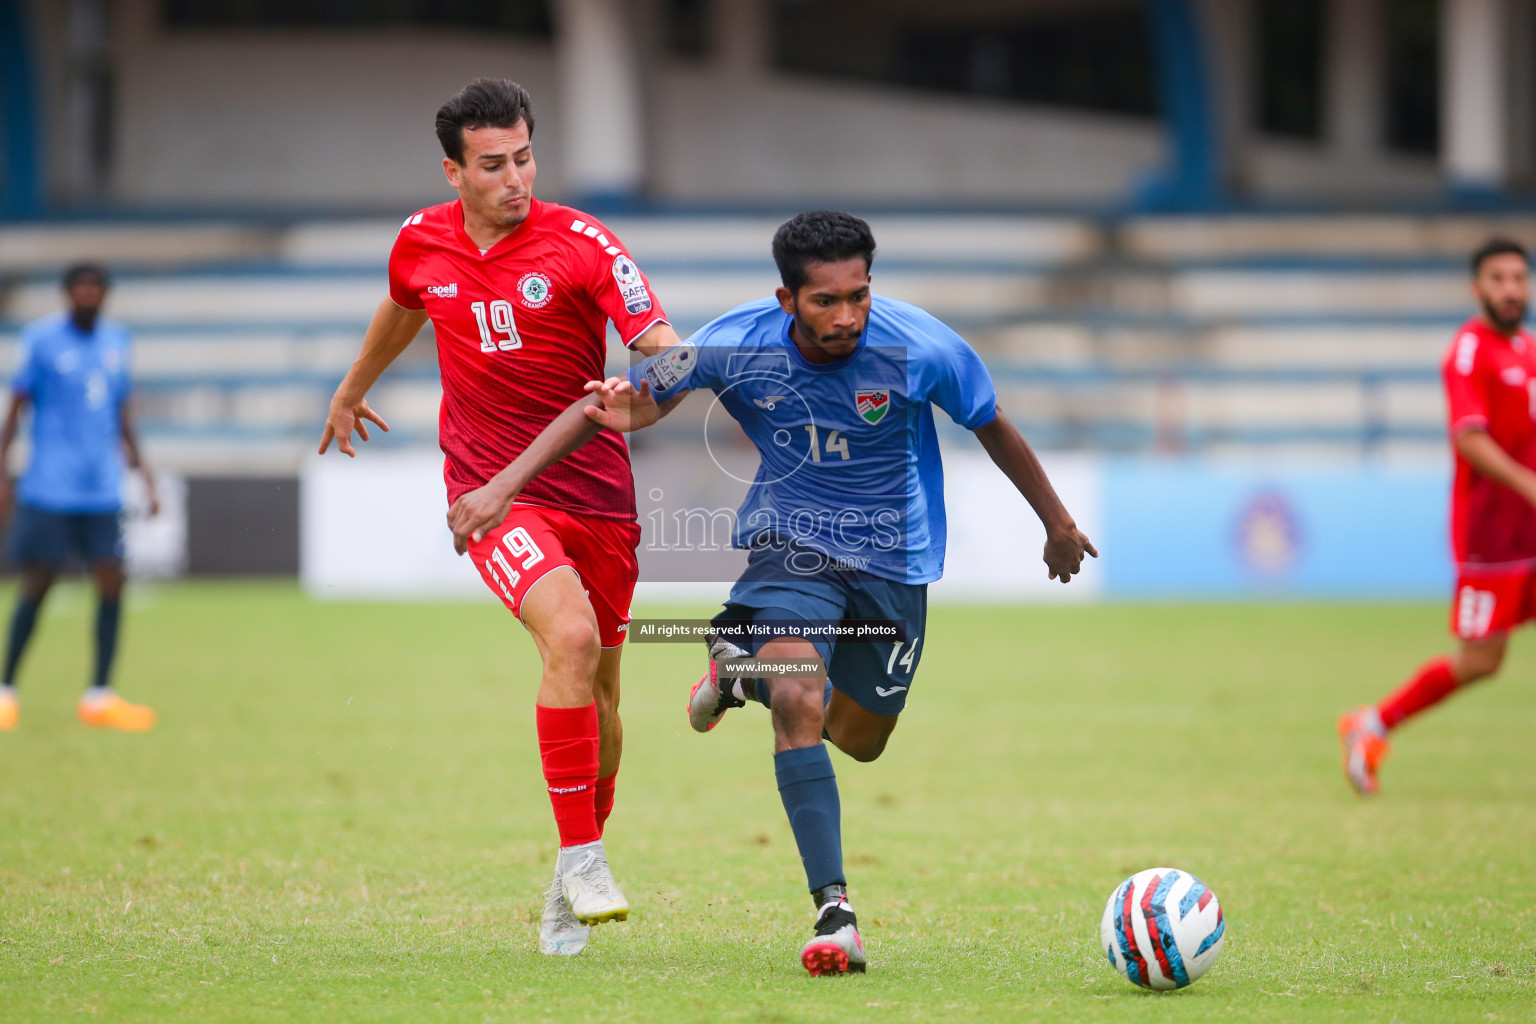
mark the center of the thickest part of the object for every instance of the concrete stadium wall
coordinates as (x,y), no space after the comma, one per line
(781,138)
(249,119)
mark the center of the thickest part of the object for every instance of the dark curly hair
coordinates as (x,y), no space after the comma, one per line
(820,236)
(86,271)
(1496,247)
(483,103)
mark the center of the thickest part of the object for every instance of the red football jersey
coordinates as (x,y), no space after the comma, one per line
(1490,384)
(520,328)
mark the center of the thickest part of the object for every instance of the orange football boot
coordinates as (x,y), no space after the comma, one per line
(112,712)
(1363,752)
(9,711)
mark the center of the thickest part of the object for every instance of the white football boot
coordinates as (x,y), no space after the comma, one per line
(588,884)
(560,934)
(836,947)
(713,695)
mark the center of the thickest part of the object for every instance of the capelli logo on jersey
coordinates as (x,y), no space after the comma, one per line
(444,291)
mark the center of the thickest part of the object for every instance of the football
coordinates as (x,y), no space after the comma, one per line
(1162,928)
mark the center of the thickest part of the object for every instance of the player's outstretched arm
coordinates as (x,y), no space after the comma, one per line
(128,429)
(1485,455)
(626,408)
(657,338)
(389,334)
(612,403)
(1065,544)
(7,439)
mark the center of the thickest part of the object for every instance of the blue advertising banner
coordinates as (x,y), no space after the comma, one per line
(1192,529)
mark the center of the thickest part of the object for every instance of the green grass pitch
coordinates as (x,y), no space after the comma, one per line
(340,818)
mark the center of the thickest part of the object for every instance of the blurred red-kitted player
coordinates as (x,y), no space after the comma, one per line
(1490,385)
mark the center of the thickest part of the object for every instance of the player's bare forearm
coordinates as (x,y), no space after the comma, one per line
(1065,544)
(613,403)
(1013,455)
(483,508)
(128,430)
(7,439)
(130,435)
(389,333)
(1485,455)
(626,408)
(9,429)
(657,338)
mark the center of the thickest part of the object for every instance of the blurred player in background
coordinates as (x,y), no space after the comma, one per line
(1490,385)
(844,520)
(520,294)
(73,375)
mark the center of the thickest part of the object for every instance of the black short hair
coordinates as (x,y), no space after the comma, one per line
(77,271)
(1497,246)
(820,236)
(483,103)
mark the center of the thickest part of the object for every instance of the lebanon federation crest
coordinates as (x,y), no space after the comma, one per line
(534,289)
(872,405)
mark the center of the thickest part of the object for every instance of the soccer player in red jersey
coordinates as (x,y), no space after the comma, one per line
(1490,385)
(520,294)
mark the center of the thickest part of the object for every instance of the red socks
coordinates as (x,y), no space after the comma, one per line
(568,748)
(605,799)
(1433,682)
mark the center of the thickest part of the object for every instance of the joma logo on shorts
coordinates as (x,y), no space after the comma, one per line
(444,291)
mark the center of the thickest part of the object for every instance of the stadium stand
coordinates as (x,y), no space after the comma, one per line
(1175,334)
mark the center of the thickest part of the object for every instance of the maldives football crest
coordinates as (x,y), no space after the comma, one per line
(872,405)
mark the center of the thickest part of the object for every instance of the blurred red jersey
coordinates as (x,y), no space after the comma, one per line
(520,328)
(1490,384)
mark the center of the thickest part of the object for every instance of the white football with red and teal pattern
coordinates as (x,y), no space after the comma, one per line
(1162,928)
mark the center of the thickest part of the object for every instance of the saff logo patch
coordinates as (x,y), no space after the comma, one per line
(872,405)
(672,367)
(631,285)
(533,289)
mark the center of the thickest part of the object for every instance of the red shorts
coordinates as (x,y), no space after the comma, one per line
(534,540)
(1490,604)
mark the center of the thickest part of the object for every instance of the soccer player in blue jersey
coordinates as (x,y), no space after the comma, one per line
(73,374)
(844,519)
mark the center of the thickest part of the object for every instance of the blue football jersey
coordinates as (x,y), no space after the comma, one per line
(849,458)
(77,383)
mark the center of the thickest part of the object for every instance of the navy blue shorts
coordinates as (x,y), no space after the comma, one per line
(41,537)
(789,582)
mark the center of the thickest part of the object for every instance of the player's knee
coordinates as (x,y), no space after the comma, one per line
(35,583)
(865,749)
(575,642)
(1478,664)
(800,701)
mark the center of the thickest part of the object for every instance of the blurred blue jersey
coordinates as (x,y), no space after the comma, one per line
(77,383)
(849,456)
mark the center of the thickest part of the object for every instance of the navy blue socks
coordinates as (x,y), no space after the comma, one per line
(107,613)
(808,787)
(22,621)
